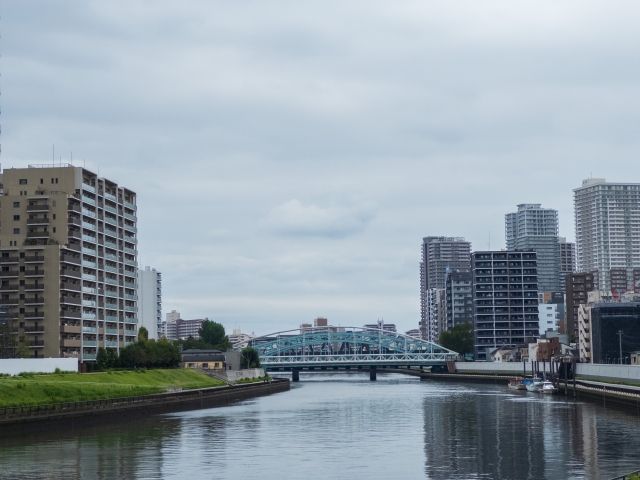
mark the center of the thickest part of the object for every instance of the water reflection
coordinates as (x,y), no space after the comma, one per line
(345,427)
(495,434)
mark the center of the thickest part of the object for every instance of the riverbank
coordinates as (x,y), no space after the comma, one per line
(134,407)
(44,389)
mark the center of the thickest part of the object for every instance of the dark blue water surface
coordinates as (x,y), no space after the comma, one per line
(346,427)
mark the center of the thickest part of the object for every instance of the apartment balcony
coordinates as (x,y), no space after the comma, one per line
(89,201)
(69,258)
(37,232)
(10,300)
(89,343)
(37,219)
(33,330)
(89,330)
(110,196)
(110,221)
(111,331)
(111,281)
(37,344)
(111,318)
(110,209)
(129,205)
(88,188)
(130,251)
(111,256)
(111,344)
(34,272)
(33,314)
(130,308)
(130,228)
(74,220)
(36,300)
(71,342)
(88,316)
(89,277)
(88,213)
(10,259)
(70,329)
(130,284)
(9,273)
(111,244)
(38,207)
(89,264)
(67,285)
(35,286)
(130,297)
(108,268)
(70,272)
(89,303)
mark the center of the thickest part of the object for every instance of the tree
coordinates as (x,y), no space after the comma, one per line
(143,334)
(213,333)
(249,358)
(106,358)
(459,339)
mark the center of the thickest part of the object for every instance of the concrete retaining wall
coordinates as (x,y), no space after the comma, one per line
(513,368)
(621,372)
(14,366)
(235,375)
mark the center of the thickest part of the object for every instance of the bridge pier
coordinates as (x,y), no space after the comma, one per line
(295,374)
(372,374)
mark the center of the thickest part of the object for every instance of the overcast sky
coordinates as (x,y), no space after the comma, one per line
(289,156)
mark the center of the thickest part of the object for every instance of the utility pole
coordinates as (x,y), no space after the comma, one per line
(620,338)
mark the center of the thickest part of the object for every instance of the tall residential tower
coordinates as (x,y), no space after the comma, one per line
(607,217)
(439,256)
(68,250)
(534,228)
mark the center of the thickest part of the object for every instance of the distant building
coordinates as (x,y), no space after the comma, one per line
(550,312)
(414,333)
(168,328)
(189,328)
(321,322)
(239,340)
(436,314)
(607,320)
(150,300)
(577,287)
(607,224)
(439,256)
(505,295)
(567,259)
(533,228)
(459,299)
(380,325)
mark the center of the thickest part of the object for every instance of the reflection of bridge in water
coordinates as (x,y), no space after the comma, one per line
(347,348)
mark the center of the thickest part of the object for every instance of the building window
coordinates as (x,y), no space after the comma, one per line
(16,204)
(22,181)
(16,231)
(16,217)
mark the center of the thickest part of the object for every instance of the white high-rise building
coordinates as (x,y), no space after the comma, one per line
(607,221)
(533,228)
(150,300)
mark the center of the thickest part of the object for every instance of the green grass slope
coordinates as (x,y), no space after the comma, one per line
(72,387)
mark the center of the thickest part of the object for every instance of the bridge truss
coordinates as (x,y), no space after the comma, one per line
(346,347)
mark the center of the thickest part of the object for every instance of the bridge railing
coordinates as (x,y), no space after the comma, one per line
(358,359)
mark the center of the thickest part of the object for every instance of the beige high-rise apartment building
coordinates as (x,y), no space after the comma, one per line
(68,261)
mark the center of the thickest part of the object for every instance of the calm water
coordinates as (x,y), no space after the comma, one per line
(345,427)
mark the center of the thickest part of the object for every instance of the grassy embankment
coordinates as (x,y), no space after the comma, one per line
(34,389)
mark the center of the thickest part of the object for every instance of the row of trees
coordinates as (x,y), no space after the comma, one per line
(165,353)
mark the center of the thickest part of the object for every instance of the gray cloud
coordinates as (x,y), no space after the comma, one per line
(294,217)
(289,156)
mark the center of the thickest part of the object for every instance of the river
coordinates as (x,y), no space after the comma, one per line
(346,427)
